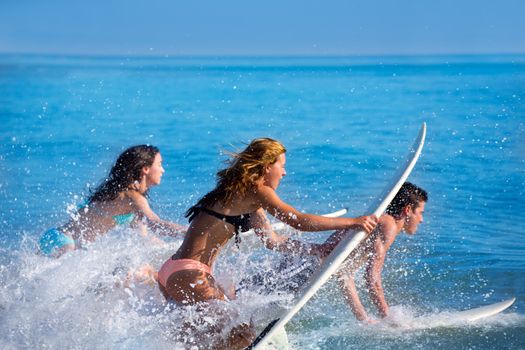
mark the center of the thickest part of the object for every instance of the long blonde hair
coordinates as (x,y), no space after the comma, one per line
(244,169)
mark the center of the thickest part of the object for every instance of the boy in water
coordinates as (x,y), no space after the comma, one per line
(404,213)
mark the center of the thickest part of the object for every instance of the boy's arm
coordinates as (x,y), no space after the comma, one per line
(349,290)
(373,277)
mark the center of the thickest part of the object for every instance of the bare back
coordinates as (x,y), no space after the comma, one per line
(98,218)
(207,234)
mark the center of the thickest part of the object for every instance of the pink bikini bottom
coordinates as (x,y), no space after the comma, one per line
(171,266)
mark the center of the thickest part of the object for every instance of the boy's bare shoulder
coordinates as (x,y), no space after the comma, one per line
(387,226)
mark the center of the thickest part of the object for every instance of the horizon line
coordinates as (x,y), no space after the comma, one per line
(254,55)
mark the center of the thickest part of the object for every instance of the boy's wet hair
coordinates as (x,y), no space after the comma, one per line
(409,194)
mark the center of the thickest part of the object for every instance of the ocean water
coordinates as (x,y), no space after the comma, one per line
(347,122)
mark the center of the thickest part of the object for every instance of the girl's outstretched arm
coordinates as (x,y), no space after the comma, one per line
(271,202)
(153,221)
(274,241)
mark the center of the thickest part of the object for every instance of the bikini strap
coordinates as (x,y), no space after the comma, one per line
(215,214)
(239,222)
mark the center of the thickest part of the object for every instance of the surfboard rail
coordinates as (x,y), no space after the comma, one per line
(484,311)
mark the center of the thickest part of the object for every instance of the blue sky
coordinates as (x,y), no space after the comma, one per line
(270,27)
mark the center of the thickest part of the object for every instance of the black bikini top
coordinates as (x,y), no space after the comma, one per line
(240,222)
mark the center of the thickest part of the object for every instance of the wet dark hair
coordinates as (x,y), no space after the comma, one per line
(124,173)
(409,194)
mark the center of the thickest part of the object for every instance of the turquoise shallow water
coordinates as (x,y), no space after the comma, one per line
(346,122)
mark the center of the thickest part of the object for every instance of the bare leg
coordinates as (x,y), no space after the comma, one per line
(145,274)
(326,248)
(189,287)
(336,237)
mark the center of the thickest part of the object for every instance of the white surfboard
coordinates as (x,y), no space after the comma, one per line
(449,318)
(344,248)
(483,311)
(279,341)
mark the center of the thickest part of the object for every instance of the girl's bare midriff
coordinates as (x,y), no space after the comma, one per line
(203,242)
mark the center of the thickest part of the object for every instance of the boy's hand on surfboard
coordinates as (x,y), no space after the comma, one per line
(367,223)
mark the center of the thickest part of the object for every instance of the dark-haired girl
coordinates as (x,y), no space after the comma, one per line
(121,199)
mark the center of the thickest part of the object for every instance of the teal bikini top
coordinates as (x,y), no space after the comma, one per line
(124,219)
